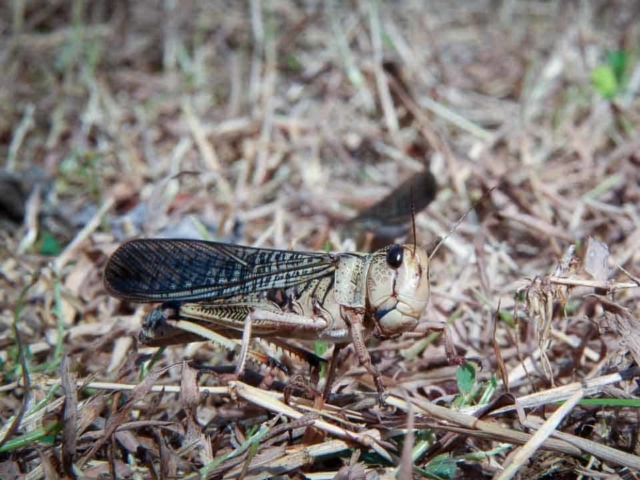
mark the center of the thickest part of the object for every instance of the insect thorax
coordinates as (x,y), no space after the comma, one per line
(350,285)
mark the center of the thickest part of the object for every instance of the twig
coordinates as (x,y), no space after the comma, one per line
(20,134)
(82,235)
(31,219)
(578,282)
(390,117)
(535,442)
(207,150)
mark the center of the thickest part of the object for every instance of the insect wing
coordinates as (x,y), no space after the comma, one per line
(165,270)
(395,209)
(389,218)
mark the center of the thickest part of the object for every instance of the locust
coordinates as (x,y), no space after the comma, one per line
(221,291)
(239,290)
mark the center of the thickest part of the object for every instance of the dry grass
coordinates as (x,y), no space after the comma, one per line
(268,124)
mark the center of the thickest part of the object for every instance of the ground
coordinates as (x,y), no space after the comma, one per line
(273,124)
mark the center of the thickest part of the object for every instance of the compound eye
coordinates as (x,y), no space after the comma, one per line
(394,256)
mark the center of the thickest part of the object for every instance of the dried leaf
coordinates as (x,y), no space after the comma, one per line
(70,432)
(596,260)
(190,398)
(119,417)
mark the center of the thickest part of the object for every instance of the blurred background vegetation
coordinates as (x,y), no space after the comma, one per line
(272,124)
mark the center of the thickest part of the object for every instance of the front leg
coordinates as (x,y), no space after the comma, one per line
(354,317)
(425,327)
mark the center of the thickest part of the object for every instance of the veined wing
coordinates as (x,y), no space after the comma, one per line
(188,270)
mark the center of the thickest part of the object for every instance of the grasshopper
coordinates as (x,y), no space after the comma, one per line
(220,291)
(239,291)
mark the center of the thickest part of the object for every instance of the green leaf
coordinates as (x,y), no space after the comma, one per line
(49,245)
(490,388)
(319,348)
(466,378)
(506,317)
(604,81)
(44,434)
(618,60)
(443,467)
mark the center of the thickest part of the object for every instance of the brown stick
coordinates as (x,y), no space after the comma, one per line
(331,374)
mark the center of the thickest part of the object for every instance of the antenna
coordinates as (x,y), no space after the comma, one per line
(413,222)
(472,207)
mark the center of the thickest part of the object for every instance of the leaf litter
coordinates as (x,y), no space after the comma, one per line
(274,125)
